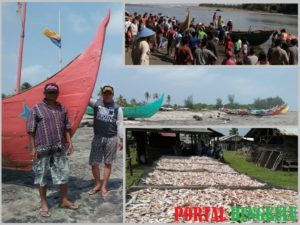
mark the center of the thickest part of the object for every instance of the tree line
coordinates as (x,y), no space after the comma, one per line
(291,9)
(258,103)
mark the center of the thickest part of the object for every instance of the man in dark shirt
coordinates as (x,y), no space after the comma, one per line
(108,137)
(50,141)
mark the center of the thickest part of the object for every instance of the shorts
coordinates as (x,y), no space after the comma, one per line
(57,165)
(103,148)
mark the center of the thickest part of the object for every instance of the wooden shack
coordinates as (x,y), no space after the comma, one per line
(274,148)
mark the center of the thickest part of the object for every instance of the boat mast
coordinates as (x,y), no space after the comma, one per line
(21,48)
(59,49)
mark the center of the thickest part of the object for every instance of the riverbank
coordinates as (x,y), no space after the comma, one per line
(162,58)
(20,198)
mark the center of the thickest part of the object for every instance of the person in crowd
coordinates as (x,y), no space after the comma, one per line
(292,52)
(251,58)
(140,54)
(202,55)
(183,55)
(262,59)
(276,55)
(229,59)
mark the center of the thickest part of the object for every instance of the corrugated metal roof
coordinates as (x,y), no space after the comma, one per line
(288,131)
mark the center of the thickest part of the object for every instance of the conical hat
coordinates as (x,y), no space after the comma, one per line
(145,32)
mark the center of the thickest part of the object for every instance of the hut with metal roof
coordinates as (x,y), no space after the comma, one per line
(152,143)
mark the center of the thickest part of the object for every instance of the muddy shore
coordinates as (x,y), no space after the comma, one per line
(20,198)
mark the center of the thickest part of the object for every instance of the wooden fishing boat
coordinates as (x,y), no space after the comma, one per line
(144,111)
(141,111)
(255,38)
(257,112)
(76,82)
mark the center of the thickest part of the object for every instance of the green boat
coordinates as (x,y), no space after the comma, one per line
(89,111)
(141,111)
(255,38)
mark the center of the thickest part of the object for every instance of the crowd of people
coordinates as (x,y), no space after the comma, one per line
(202,44)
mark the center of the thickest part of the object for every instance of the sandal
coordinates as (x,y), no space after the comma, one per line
(104,194)
(70,206)
(93,191)
(44,213)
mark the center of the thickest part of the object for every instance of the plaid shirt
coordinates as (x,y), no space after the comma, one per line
(48,125)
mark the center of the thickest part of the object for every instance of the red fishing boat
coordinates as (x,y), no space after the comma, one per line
(76,82)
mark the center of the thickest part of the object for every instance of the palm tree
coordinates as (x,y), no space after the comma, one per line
(147,96)
(169,99)
(155,96)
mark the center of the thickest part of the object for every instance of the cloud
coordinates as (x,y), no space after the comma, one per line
(78,23)
(35,73)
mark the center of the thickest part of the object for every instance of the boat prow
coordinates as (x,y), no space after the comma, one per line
(76,81)
(144,111)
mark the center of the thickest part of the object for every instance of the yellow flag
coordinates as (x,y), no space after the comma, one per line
(51,34)
(187,22)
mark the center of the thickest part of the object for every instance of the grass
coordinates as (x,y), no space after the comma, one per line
(284,179)
(136,169)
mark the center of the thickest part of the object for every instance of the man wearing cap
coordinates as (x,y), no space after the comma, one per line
(141,49)
(108,137)
(50,141)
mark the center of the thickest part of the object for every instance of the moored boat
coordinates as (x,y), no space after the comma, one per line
(255,38)
(76,82)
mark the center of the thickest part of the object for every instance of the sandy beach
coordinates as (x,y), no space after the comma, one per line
(20,198)
(212,118)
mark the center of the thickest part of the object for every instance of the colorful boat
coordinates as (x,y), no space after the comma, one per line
(257,112)
(255,38)
(144,111)
(76,82)
(141,111)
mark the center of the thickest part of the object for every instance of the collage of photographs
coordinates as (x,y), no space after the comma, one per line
(137,111)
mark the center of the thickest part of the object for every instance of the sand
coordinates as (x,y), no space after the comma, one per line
(20,199)
(211,118)
(163,59)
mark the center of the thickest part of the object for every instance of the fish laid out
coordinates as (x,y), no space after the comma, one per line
(154,205)
(161,177)
(215,168)
(188,160)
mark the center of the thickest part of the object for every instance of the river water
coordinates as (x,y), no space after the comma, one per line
(242,19)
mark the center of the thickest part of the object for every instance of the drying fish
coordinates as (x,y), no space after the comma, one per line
(189,160)
(161,177)
(163,211)
(195,167)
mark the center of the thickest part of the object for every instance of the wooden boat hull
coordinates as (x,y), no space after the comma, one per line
(257,112)
(143,111)
(76,82)
(255,38)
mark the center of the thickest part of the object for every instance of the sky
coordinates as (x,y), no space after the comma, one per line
(79,22)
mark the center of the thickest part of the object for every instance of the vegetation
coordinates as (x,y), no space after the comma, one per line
(234,131)
(189,102)
(282,179)
(272,8)
(25,86)
(267,103)
(219,103)
(137,169)
(147,96)
(168,99)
